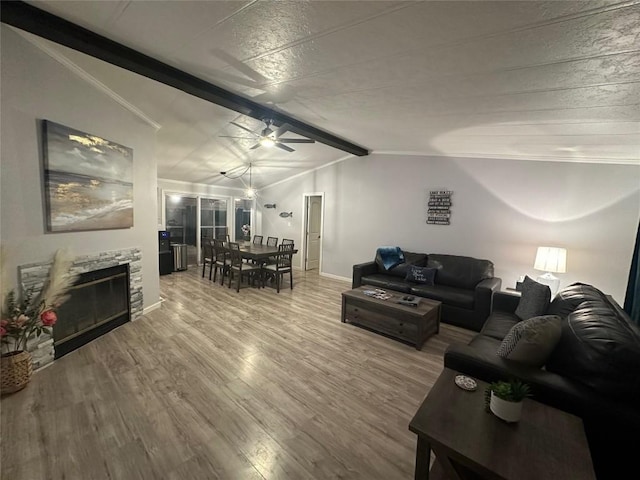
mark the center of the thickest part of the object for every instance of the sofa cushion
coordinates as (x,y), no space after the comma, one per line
(534,300)
(457,297)
(388,257)
(498,324)
(599,345)
(486,345)
(459,271)
(531,341)
(422,275)
(410,258)
(386,281)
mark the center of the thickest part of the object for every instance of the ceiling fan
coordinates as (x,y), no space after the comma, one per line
(269,137)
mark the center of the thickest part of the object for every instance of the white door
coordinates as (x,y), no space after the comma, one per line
(314,221)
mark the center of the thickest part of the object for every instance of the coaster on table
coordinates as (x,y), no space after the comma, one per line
(466,383)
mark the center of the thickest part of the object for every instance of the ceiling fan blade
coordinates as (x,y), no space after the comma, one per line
(244,128)
(296,140)
(255,146)
(284,147)
(229,136)
(282,129)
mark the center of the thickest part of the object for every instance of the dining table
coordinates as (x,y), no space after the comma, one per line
(256,252)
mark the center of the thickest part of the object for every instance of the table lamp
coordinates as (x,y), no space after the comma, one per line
(551,260)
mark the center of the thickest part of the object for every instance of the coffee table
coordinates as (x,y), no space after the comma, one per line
(410,324)
(471,443)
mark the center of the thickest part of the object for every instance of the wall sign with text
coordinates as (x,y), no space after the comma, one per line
(439,207)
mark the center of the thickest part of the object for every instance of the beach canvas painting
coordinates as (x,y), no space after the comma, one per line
(88,181)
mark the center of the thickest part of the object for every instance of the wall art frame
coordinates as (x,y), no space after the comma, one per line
(88,180)
(439,207)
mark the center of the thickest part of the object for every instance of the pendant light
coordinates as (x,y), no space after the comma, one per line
(250,193)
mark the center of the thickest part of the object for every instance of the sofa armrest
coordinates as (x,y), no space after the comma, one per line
(505,302)
(484,295)
(362,269)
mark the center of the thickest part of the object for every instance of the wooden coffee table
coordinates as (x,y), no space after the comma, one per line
(471,443)
(410,324)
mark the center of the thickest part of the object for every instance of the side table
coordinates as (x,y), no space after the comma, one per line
(471,443)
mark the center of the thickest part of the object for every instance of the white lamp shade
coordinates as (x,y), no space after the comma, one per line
(551,259)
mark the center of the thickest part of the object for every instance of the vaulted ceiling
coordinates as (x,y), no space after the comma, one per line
(531,80)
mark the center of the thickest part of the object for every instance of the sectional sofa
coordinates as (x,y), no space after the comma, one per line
(592,371)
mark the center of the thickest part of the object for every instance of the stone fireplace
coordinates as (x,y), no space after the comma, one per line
(107,294)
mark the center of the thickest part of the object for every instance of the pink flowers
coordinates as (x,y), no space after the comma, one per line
(48,318)
(28,315)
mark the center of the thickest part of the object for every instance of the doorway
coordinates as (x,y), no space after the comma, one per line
(313,230)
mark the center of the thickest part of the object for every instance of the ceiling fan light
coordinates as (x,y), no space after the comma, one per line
(267,142)
(250,193)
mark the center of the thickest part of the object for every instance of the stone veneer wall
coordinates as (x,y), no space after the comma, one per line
(34,276)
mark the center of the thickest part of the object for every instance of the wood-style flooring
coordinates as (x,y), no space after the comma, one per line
(223,385)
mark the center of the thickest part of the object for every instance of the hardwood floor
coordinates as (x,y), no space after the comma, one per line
(224,385)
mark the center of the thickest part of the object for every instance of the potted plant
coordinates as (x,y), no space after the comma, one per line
(25,317)
(504,399)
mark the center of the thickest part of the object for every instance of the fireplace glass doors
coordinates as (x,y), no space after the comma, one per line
(99,301)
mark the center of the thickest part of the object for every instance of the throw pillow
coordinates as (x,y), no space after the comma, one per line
(422,275)
(410,258)
(532,341)
(534,301)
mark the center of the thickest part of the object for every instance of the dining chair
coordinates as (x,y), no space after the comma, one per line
(287,241)
(272,241)
(221,261)
(241,268)
(208,256)
(282,265)
(257,239)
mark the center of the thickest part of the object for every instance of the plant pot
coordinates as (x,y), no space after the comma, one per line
(507,411)
(15,371)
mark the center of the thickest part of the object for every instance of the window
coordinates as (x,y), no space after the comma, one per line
(213,219)
(243,229)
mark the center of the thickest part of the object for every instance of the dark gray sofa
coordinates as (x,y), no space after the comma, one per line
(464,285)
(593,372)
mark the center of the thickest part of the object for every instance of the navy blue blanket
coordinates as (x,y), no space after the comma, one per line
(390,256)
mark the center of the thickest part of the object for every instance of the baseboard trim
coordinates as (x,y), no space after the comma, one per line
(335,277)
(152,307)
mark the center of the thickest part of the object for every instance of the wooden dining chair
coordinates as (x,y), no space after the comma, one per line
(208,256)
(237,266)
(221,261)
(272,241)
(257,239)
(287,241)
(282,265)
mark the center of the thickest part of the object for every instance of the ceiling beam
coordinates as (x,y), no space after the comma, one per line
(46,25)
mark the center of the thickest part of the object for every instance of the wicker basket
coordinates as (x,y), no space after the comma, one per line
(15,371)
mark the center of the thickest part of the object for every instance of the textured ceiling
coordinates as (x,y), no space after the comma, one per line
(554,80)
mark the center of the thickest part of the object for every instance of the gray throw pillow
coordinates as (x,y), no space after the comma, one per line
(532,341)
(534,300)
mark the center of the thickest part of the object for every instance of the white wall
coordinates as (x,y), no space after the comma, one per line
(35,87)
(502,211)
